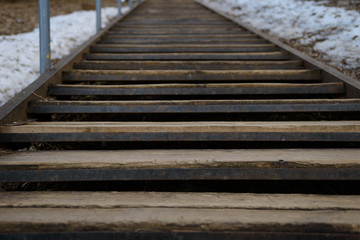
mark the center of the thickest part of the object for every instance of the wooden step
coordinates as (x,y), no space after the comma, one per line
(304,75)
(176,27)
(189,36)
(188,56)
(265,89)
(181,39)
(324,131)
(240,164)
(197,106)
(189,22)
(105,212)
(208,200)
(153,41)
(188,65)
(175,31)
(127,25)
(122,48)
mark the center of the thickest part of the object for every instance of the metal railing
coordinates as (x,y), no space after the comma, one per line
(44,25)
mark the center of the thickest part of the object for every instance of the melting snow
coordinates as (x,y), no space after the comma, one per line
(334,31)
(19,54)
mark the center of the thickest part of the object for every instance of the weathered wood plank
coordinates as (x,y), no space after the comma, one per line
(181,40)
(191,75)
(188,65)
(338,131)
(116,48)
(197,106)
(175,235)
(175,31)
(105,127)
(152,41)
(188,56)
(260,158)
(263,164)
(196,89)
(168,219)
(177,200)
(200,35)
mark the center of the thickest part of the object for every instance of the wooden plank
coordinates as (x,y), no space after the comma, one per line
(167,36)
(196,89)
(188,56)
(175,31)
(191,75)
(178,200)
(177,27)
(168,219)
(259,158)
(338,131)
(179,165)
(182,41)
(197,106)
(105,127)
(116,48)
(175,235)
(188,65)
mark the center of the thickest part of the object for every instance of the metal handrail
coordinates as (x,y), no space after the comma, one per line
(44,32)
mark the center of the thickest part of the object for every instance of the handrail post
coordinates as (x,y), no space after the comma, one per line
(98,15)
(130,4)
(119,7)
(44,35)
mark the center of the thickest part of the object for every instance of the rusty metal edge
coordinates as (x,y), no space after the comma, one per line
(330,74)
(15,109)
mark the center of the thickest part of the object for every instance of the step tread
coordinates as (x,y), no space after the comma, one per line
(196,89)
(178,200)
(124,159)
(181,127)
(190,65)
(189,56)
(117,75)
(197,106)
(172,219)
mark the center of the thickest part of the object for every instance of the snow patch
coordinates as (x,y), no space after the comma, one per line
(334,31)
(19,54)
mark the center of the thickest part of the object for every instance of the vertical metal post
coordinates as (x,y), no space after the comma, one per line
(130,4)
(44,35)
(119,7)
(98,15)
(136,2)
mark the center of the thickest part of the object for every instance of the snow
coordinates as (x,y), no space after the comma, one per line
(333,31)
(19,54)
